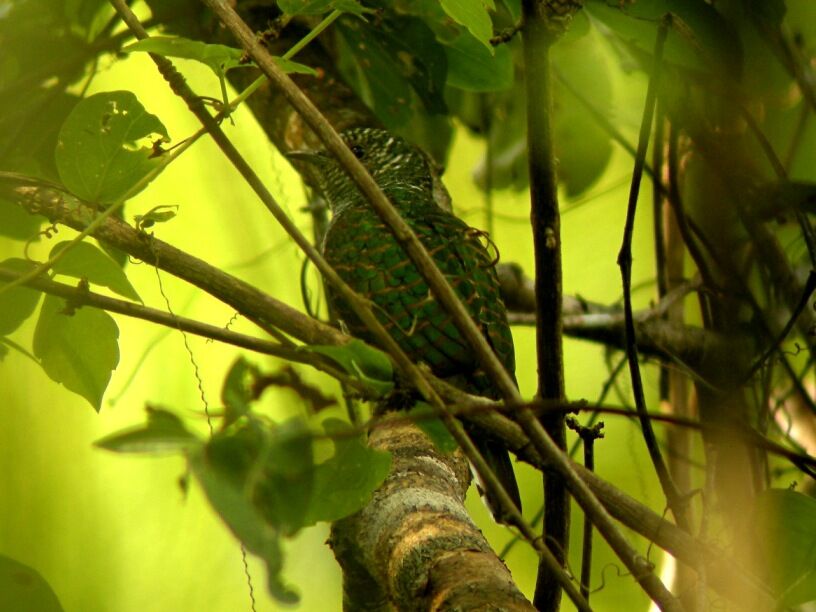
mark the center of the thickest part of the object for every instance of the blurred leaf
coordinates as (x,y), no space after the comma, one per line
(285,477)
(163,433)
(700,38)
(770,12)
(28,132)
(344,483)
(780,198)
(474,68)
(158,214)
(39,42)
(227,496)
(288,377)
(784,530)
(88,17)
(362,361)
(432,133)
(273,466)
(800,19)
(583,148)
(426,419)
(429,11)
(16,304)
(16,222)
(104,146)
(416,56)
(79,350)
(22,589)
(514,8)
(474,16)
(237,392)
(317,7)
(86,261)
(376,74)
(507,136)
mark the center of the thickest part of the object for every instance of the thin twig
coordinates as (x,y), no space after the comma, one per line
(673,496)
(79,297)
(588,435)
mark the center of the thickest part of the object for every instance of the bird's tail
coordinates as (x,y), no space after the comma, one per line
(498,459)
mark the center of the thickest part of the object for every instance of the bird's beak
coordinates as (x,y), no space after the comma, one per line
(309,157)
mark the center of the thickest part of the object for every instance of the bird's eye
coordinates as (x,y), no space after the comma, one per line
(358,151)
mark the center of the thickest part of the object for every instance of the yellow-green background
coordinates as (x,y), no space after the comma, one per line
(115,533)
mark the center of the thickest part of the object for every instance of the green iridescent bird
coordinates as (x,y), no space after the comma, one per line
(367,256)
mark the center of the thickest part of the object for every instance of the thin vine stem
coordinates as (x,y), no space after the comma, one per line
(673,497)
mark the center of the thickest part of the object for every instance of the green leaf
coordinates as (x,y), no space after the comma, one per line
(23,589)
(237,392)
(16,304)
(291,67)
(362,361)
(471,67)
(227,496)
(424,417)
(219,58)
(784,529)
(318,7)
(79,350)
(104,146)
(345,482)
(474,16)
(86,261)
(163,433)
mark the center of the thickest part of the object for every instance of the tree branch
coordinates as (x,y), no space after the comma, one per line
(724,573)
(642,571)
(264,310)
(695,348)
(81,296)
(415,553)
(539,34)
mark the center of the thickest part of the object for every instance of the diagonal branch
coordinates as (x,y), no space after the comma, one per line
(81,296)
(635,562)
(360,305)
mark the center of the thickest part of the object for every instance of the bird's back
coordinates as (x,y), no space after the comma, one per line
(365,253)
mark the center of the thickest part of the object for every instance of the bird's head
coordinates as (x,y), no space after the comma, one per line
(400,169)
